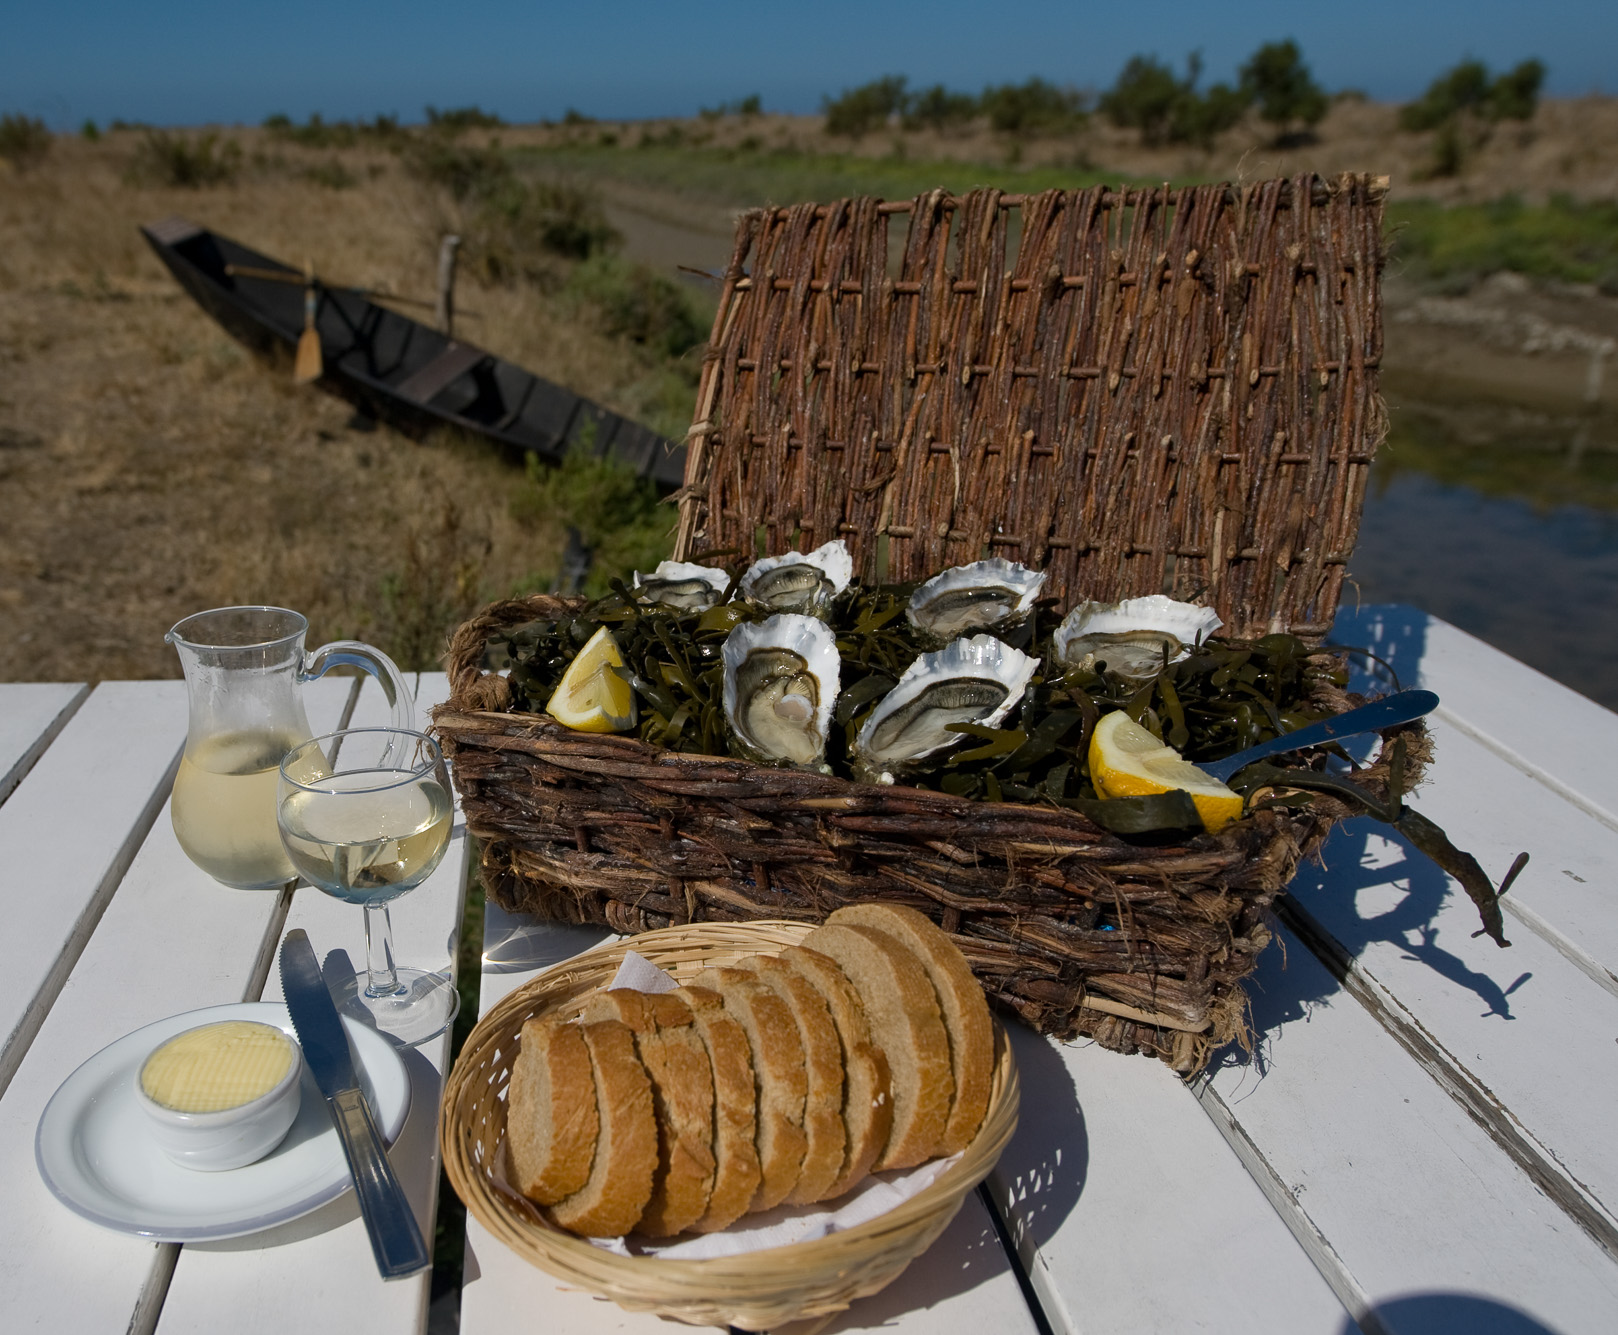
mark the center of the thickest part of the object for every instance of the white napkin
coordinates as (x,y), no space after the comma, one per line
(639,974)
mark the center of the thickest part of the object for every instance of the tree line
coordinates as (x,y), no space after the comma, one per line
(1170,107)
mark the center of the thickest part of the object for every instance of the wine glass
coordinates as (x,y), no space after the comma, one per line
(365,814)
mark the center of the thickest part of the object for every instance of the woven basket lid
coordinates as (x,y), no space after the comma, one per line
(1137,390)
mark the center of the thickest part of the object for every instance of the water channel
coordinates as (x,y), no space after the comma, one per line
(1502,521)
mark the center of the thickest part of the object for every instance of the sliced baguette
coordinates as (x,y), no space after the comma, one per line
(825,1136)
(961,1003)
(906,1024)
(671,1050)
(736,1170)
(778,1076)
(867,1103)
(620,1182)
(551,1118)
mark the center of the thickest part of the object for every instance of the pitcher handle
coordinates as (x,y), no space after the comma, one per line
(351,653)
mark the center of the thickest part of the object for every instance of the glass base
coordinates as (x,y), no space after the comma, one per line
(424,1005)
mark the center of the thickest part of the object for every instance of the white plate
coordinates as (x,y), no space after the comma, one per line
(95,1155)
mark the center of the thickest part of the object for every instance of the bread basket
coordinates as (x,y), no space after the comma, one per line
(754,1291)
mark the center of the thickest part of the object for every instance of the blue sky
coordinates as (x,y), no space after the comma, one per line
(185,62)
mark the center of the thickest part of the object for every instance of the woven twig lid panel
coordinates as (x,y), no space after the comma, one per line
(1138,391)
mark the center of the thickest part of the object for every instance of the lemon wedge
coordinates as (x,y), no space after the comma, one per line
(1127,761)
(591,696)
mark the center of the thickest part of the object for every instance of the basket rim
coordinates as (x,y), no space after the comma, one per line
(762,936)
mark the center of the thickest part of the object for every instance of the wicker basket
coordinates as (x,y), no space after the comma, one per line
(1163,391)
(754,1291)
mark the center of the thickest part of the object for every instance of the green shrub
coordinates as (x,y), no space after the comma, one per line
(24,140)
(1033,107)
(466,173)
(1276,78)
(90,132)
(185,162)
(860,110)
(637,303)
(1167,109)
(1467,89)
(456,120)
(319,133)
(1562,239)
(617,514)
(332,175)
(937,108)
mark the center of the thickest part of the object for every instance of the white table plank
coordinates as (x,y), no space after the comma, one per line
(31,714)
(1130,1212)
(1392,1188)
(962,1285)
(68,832)
(1565,742)
(317,1274)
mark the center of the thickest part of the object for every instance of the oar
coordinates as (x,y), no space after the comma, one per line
(369,293)
(307,366)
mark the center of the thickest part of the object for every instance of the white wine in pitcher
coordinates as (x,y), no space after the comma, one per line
(224,808)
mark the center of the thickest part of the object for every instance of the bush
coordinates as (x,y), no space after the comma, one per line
(319,133)
(456,120)
(1468,90)
(635,302)
(190,164)
(1562,239)
(1033,107)
(1167,109)
(90,132)
(937,108)
(617,514)
(1276,78)
(466,173)
(24,140)
(860,110)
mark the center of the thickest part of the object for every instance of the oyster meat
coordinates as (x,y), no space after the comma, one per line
(973,597)
(977,680)
(780,685)
(1135,637)
(683,585)
(803,582)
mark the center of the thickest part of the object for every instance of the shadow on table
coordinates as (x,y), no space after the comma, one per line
(1448,1314)
(1394,632)
(519,943)
(1042,1172)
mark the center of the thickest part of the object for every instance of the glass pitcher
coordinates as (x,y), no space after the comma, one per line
(244,674)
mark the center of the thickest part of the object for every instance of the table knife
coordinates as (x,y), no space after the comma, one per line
(395,1239)
(1387,712)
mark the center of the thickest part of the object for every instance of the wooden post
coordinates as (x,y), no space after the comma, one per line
(445,313)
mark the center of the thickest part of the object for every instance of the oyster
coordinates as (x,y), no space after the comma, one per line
(799,581)
(683,585)
(977,680)
(780,685)
(1135,637)
(973,597)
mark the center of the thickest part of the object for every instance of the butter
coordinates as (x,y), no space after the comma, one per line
(216,1067)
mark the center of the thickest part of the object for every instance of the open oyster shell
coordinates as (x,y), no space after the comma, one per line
(803,582)
(1133,637)
(973,597)
(977,680)
(781,678)
(683,585)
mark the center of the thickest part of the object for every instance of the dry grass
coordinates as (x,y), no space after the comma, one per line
(151,467)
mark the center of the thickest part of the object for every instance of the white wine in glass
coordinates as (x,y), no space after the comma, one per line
(365,814)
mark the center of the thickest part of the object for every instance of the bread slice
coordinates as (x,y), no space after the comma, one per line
(825,1137)
(551,1117)
(620,1183)
(961,1002)
(778,1076)
(905,1022)
(867,1102)
(671,1050)
(736,1170)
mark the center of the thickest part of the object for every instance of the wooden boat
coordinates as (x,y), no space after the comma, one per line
(399,370)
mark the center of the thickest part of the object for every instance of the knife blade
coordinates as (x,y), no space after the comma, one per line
(1387,712)
(389,1220)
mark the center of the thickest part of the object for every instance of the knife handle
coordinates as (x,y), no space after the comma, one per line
(395,1239)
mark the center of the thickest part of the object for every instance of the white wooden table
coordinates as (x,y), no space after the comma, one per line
(1423,1143)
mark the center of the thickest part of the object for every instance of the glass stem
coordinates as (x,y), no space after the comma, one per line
(383,980)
